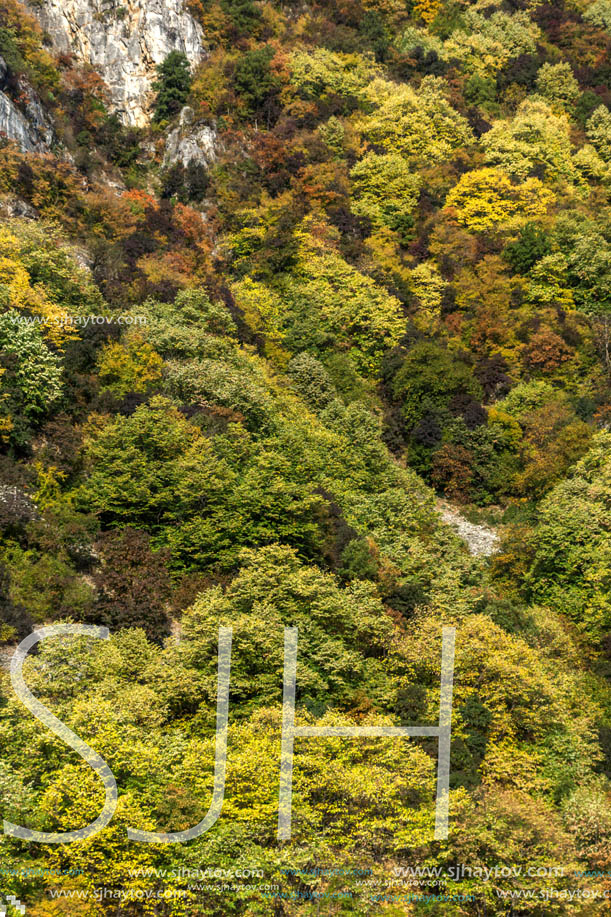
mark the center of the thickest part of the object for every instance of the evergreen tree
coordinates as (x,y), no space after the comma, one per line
(531,245)
(172,85)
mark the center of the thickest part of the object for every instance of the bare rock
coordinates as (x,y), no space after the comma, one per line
(480,539)
(26,122)
(190,142)
(6,655)
(124,40)
(13,207)
(16,507)
(29,126)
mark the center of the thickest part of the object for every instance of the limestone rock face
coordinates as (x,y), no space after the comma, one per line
(28,125)
(123,40)
(190,142)
(14,126)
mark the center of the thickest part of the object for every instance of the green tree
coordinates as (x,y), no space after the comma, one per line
(598,130)
(531,245)
(311,380)
(256,84)
(571,571)
(535,138)
(244,14)
(428,380)
(31,383)
(343,633)
(172,85)
(556,83)
(386,190)
(204,498)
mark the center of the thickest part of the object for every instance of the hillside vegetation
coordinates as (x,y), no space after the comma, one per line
(232,394)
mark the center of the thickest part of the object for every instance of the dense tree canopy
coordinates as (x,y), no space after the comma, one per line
(246,390)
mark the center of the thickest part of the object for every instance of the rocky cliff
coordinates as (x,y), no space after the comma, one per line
(123,40)
(28,125)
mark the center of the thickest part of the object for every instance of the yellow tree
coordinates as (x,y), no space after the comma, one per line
(486,199)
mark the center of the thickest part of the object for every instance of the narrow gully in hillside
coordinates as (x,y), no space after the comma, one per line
(481,540)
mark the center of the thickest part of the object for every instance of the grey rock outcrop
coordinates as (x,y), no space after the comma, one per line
(29,125)
(16,507)
(123,40)
(190,142)
(37,118)
(480,539)
(13,207)
(6,654)
(14,125)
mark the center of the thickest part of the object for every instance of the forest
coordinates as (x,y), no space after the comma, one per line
(237,388)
